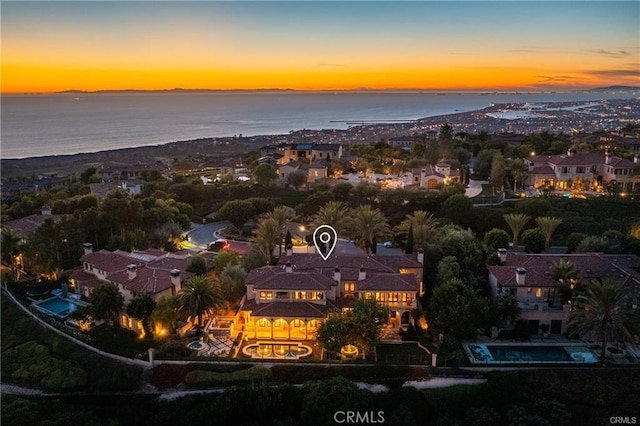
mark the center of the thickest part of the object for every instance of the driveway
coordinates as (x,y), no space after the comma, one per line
(202,235)
(475,188)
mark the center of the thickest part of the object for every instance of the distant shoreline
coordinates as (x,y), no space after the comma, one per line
(499,91)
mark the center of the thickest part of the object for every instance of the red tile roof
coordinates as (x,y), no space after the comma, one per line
(389,282)
(289,309)
(619,268)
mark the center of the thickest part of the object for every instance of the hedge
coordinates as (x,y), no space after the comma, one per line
(203,379)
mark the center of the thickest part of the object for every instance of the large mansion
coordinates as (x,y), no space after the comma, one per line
(558,171)
(307,152)
(528,277)
(153,272)
(291,299)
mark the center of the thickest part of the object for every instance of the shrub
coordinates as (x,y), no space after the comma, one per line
(533,240)
(202,378)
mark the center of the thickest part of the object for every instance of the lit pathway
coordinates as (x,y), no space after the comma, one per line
(475,188)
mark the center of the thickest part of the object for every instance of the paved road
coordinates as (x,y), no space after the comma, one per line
(202,235)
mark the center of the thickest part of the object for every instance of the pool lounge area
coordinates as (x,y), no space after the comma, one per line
(58,307)
(529,353)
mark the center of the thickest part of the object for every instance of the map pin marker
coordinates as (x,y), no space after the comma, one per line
(327,237)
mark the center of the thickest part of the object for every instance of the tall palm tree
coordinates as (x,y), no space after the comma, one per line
(547,225)
(566,273)
(266,236)
(282,215)
(368,223)
(603,312)
(516,222)
(424,226)
(198,297)
(518,171)
(334,213)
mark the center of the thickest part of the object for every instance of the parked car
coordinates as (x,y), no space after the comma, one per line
(219,244)
(387,244)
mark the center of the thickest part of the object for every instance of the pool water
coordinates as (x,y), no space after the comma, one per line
(481,353)
(277,351)
(58,307)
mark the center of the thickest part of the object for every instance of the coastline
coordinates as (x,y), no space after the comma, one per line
(231,149)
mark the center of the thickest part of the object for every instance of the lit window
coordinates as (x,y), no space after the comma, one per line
(300,295)
(350,286)
(394,297)
(368,295)
(263,323)
(266,295)
(538,292)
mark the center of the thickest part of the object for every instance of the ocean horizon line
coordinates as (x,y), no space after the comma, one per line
(337,90)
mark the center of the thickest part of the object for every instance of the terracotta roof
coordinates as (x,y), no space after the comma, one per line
(294,281)
(618,268)
(27,226)
(389,282)
(288,309)
(152,271)
(542,170)
(581,159)
(380,263)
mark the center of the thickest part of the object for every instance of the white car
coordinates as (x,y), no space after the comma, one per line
(387,244)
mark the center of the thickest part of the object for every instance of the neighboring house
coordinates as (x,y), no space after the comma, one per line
(528,278)
(308,152)
(26,226)
(403,142)
(153,272)
(315,170)
(558,171)
(284,170)
(290,300)
(9,190)
(610,141)
(431,176)
(127,172)
(133,187)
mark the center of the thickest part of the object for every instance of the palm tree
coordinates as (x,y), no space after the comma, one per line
(566,273)
(198,297)
(368,223)
(334,213)
(424,226)
(518,172)
(604,312)
(516,222)
(547,225)
(266,236)
(282,215)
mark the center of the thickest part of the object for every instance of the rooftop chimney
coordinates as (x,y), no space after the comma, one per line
(88,248)
(421,256)
(362,274)
(521,274)
(175,279)
(607,157)
(502,254)
(131,271)
(570,152)
(288,267)
(337,276)
(45,210)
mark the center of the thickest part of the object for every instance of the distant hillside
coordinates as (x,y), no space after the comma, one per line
(615,89)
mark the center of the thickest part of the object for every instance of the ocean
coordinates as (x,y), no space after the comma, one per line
(70,123)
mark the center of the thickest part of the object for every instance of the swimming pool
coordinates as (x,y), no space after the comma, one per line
(508,353)
(283,350)
(58,307)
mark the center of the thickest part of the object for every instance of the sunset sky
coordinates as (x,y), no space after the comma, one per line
(53,46)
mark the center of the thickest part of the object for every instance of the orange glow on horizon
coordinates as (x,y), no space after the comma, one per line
(48,79)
